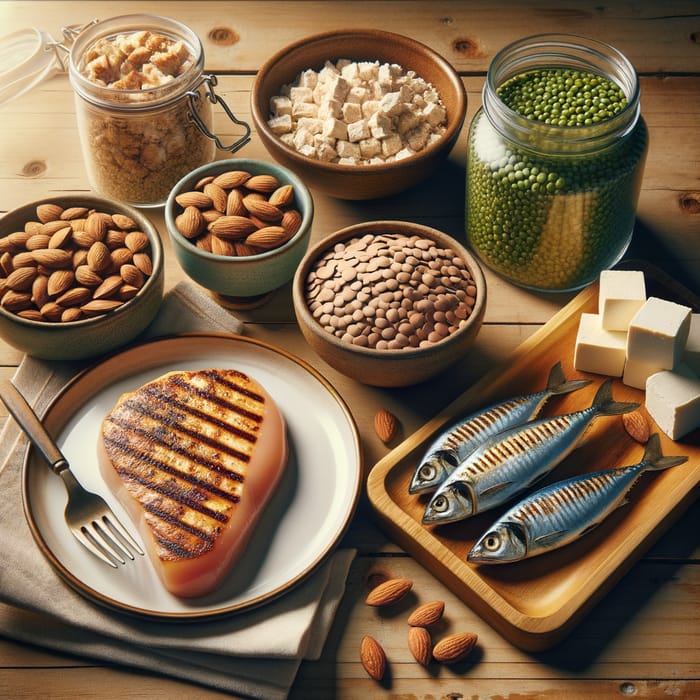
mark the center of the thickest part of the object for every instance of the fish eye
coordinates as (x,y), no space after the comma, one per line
(427,471)
(492,542)
(440,504)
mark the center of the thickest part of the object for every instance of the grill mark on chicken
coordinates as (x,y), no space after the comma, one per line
(183,446)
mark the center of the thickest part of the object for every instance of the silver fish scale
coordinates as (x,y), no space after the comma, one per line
(563,507)
(485,422)
(522,446)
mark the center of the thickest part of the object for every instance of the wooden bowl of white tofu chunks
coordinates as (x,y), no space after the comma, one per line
(358,113)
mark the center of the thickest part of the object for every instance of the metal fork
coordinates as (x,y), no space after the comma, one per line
(87,515)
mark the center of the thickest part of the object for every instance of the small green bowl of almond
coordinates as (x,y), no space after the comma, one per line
(80,276)
(240,227)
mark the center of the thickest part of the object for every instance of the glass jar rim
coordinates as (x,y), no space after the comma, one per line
(561,51)
(141,98)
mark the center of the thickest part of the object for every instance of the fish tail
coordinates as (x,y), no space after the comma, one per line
(606,406)
(557,382)
(654,459)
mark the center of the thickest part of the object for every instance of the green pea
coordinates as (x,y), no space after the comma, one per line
(546,221)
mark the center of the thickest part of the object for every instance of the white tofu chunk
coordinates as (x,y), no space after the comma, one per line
(598,350)
(658,332)
(280,105)
(300,94)
(280,125)
(335,129)
(347,150)
(358,130)
(691,357)
(391,104)
(301,110)
(370,147)
(352,112)
(621,294)
(434,114)
(673,401)
(391,145)
(637,372)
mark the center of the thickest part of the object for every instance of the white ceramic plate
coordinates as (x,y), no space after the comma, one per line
(302,523)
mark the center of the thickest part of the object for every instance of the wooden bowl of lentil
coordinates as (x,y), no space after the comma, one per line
(60,306)
(360,180)
(389,303)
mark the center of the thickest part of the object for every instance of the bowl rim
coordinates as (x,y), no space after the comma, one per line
(144,224)
(452,130)
(240,164)
(388,226)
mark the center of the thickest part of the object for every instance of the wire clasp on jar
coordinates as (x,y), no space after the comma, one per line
(210,82)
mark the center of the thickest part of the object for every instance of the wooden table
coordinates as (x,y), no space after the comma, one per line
(643,639)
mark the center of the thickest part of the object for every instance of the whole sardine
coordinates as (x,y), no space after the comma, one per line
(452,446)
(560,513)
(508,463)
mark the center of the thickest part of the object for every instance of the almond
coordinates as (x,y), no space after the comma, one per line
(60,281)
(144,263)
(372,658)
(231,179)
(71,213)
(454,647)
(637,426)
(234,203)
(132,275)
(127,291)
(21,279)
(114,238)
(426,614)
(53,258)
(31,314)
(75,296)
(420,644)
(191,222)
(121,256)
(385,424)
(389,592)
(98,257)
(204,181)
(38,241)
(232,226)
(262,183)
(282,196)
(40,291)
(262,209)
(136,241)
(87,277)
(218,196)
(96,226)
(51,311)
(96,307)
(268,237)
(108,288)
(222,246)
(16,301)
(72,313)
(60,238)
(124,222)
(48,212)
(194,199)
(291,220)
(23,259)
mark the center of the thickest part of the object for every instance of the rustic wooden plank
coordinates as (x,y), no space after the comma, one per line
(466,33)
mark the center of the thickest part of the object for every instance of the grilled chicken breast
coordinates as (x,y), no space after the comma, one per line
(194,456)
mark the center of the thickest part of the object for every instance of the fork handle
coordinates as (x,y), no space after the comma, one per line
(24,414)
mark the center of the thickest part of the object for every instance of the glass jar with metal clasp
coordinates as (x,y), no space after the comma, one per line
(144,106)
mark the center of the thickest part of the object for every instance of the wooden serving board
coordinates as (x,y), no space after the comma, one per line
(535,603)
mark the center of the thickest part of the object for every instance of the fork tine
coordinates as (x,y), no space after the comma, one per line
(113,523)
(88,540)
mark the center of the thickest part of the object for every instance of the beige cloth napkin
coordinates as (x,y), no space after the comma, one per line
(255,654)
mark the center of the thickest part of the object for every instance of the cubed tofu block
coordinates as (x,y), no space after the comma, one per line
(658,332)
(358,130)
(637,372)
(621,294)
(673,401)
(692,345)
(598,350)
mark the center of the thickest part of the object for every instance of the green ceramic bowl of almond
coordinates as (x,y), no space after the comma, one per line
(555,162)
(80,276)
(240,227)
(389,303)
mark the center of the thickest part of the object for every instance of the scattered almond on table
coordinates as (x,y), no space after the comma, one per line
(637,426)
(385,425)
(451,649)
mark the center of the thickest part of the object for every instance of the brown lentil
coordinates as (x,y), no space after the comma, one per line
(390,291)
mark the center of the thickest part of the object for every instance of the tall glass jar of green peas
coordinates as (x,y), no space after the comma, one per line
(555,161)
